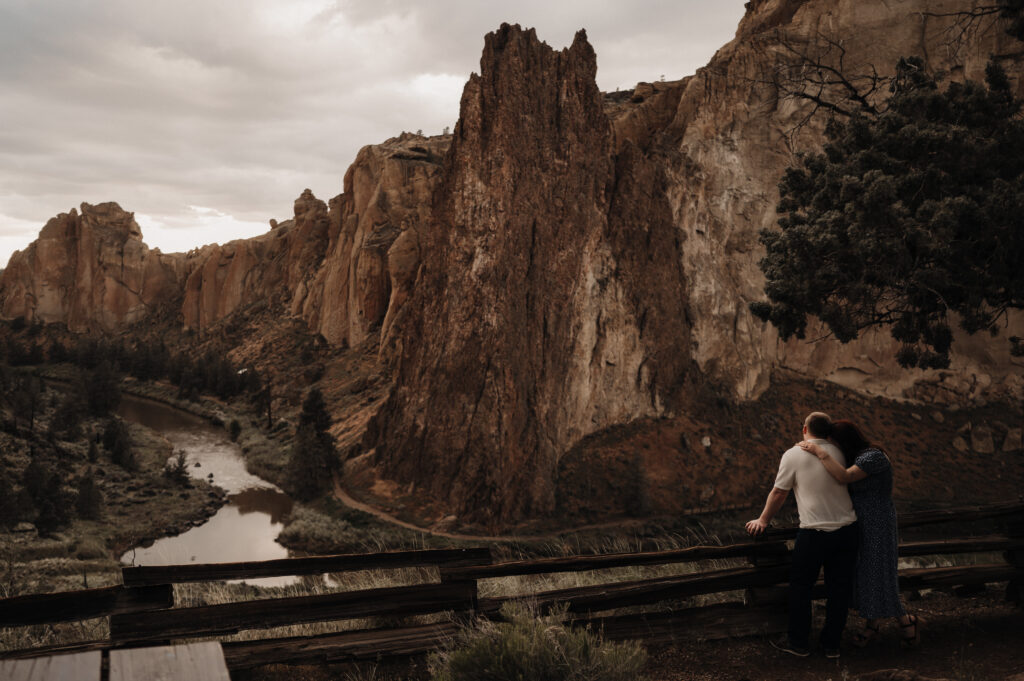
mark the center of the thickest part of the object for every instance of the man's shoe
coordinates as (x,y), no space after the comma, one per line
(785,646)
(831,653)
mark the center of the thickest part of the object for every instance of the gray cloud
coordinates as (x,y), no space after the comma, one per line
(163,106)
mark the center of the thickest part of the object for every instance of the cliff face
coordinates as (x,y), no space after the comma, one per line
(733,136)
(550,300)
(271,267)
(89,270)
(373,254)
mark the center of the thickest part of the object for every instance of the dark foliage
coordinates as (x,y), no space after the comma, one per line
(177,469)
(906,217)
(89,501)
(10,513)
(234,430)
(117,441)
(53,506)
(314,459)
(101,387)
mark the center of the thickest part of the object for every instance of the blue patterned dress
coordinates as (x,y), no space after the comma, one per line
(876,585)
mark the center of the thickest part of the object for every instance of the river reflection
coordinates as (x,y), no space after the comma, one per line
(245,528)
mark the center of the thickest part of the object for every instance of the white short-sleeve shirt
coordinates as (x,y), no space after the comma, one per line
(823,503)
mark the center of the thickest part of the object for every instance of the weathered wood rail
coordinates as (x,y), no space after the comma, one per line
(141,611)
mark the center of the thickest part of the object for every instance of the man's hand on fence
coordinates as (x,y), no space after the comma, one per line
(756,527)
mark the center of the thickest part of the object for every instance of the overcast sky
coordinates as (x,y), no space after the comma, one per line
(209,117)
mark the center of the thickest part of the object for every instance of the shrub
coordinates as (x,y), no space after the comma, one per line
(177,469)
(89,548)
(316,532)
(234,430)
(89,500)
(536,648)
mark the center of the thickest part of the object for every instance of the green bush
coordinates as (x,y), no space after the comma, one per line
(536,648)
(317,533)
(89,548)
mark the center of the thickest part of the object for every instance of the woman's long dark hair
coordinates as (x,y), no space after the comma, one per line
(850,440)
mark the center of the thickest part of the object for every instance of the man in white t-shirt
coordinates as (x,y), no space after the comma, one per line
(827,537)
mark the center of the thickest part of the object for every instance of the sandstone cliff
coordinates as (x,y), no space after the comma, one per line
(269,268)
(373,254)
(91,271)
(734,134)
(550,302)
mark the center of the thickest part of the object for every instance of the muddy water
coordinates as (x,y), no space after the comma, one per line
(243,529)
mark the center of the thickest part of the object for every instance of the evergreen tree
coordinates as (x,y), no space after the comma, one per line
(102,388)
(53,506)
(117,441)
(906,217)
(314,459)
(9,511)
(34,478)
(89,502)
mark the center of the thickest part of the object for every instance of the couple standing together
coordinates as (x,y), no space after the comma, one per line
(843,489)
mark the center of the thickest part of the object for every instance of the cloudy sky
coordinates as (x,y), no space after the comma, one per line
(209,117)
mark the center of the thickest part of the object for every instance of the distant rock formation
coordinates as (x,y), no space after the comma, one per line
(89,270)
(372,255)
(272,267)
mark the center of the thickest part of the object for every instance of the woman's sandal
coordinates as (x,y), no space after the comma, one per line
(915,639)
(868,635)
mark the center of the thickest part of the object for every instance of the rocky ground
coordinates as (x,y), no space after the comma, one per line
(964,639)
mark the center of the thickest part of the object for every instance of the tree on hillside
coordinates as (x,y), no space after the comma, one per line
(27,397)
(102,388)
(89,499)
(906,217)
(118,442)
(314,459)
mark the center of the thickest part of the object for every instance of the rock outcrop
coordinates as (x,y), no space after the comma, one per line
(387,200)
(550,302)
(273,267)
(733,135)
(91,271)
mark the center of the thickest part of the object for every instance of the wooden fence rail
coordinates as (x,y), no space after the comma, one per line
(313,565)
(142,610)
(230,618)
(81,605)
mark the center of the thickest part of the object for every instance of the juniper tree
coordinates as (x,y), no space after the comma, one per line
(906,217)
(314,459)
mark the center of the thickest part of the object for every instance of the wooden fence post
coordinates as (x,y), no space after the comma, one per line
(1014,527)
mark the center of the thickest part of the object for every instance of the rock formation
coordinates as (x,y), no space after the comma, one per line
(89,270)
(550,302)
(386,201)
(271,267)
(732,137)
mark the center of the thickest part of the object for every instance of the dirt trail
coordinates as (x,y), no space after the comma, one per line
(344,497)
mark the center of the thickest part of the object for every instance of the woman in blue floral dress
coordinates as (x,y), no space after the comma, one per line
(869,480)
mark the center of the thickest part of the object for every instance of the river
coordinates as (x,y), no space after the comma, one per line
(245,528)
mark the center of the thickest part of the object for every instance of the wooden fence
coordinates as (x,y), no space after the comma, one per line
(142,611)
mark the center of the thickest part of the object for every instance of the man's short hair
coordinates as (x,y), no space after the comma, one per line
(819,424)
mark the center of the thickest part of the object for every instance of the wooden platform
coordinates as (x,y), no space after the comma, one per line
(188,662)
(73,667)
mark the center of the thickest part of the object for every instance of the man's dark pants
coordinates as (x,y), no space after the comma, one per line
(837,552)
